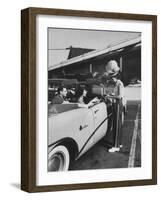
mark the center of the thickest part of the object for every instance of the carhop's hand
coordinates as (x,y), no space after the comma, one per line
(95,100)
(110,95)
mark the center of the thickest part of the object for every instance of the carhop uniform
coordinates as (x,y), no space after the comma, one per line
(117,106)
(114,88)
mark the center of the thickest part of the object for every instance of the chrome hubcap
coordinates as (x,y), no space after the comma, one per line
(56,162)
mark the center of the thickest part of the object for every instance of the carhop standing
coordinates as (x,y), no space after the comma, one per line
(114,89)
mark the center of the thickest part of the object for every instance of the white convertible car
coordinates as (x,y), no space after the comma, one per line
(73,130)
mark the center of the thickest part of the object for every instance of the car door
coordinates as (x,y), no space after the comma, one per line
(100,120)
(84,128)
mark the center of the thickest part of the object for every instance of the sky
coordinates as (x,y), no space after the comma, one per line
(60,39)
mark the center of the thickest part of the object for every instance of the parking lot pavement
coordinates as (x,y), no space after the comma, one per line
(98,156)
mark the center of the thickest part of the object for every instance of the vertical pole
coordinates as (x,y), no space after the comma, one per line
(117,123)
(90,68)
(121,63)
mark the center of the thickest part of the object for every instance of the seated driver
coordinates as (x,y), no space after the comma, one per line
(60,97)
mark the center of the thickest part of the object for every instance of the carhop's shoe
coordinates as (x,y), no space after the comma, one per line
(114,149)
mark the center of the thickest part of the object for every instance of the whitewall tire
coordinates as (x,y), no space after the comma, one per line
(59,159)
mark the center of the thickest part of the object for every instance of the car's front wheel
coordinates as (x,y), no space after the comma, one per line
(59,159)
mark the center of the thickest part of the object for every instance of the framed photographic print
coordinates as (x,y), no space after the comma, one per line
(89,99)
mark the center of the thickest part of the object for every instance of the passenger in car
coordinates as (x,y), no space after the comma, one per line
(81,95)
(114,89)
(60,97)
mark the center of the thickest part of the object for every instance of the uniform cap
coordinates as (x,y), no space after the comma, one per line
(112,67)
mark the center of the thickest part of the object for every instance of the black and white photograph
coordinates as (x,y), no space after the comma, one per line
(79,111)
(89,107)
(94,99)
